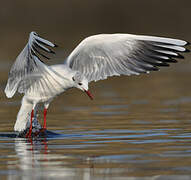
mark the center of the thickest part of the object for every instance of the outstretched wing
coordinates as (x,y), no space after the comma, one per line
(100,56)
(46,82)
(26,62)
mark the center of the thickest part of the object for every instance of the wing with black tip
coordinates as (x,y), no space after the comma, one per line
(100,56)
(26,63)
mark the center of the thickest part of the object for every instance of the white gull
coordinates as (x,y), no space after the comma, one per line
(95,58)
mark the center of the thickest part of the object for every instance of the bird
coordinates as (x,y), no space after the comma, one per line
(97,57)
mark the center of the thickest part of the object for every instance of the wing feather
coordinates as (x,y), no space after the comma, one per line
(100,56)
(26,63)
(44,83)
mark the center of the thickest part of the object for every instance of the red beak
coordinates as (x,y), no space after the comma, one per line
(89,94)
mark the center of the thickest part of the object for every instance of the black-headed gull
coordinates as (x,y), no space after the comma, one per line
(95,58)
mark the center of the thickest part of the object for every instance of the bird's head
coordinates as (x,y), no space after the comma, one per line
(81,83)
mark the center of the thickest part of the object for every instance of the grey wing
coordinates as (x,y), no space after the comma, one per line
(27,62)
(100,56)
(44,83)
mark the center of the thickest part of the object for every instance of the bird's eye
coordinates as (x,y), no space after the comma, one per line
(73,79)
(80,84)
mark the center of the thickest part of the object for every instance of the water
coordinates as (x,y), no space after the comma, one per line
(137,127)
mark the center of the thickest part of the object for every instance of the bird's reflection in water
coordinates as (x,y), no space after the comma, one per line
(30,152)
(36,161)
(44,159)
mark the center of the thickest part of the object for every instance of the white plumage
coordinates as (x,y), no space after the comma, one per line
(95,58)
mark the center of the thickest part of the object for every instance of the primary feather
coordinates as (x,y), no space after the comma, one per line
(100,56)
(27,62)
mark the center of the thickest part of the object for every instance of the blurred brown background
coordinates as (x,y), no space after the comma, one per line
(66,22)
(153,110)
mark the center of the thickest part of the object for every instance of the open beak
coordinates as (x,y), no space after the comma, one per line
(89,94)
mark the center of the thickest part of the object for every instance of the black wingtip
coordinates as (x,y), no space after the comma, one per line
(187,50)
(55,45)
(187,43)
(155,68)
(51,51)
(180,56)
(163,64)
(171,60)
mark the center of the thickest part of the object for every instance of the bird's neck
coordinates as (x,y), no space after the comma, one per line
(65,74)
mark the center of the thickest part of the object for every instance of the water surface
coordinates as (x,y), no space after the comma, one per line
(137,127)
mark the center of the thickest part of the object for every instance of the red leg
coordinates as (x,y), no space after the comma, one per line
(30,129)
(44,125)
